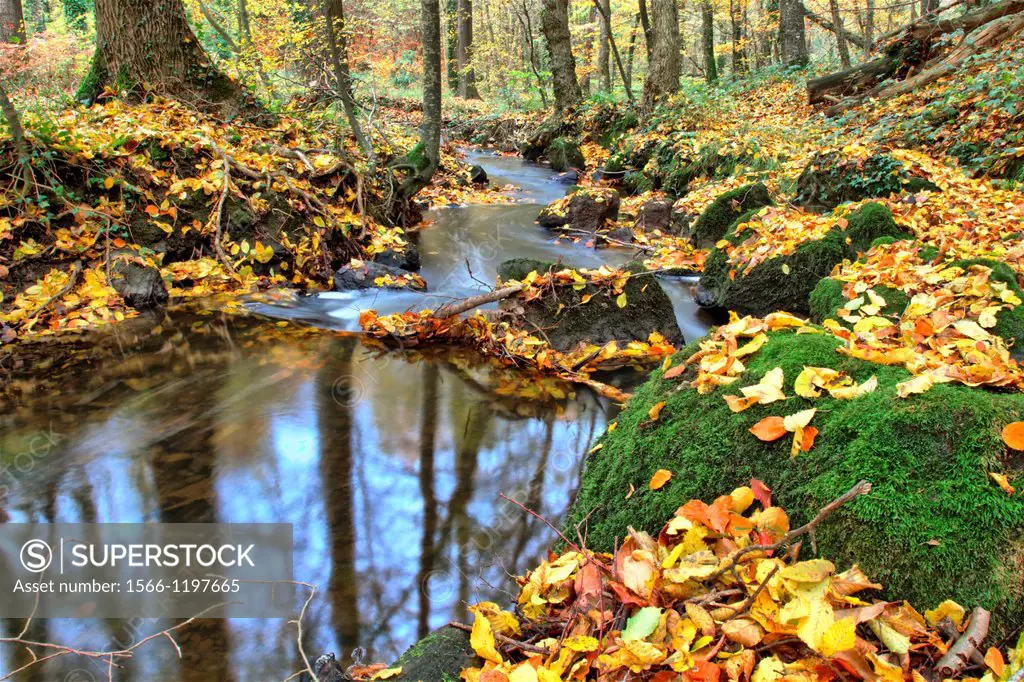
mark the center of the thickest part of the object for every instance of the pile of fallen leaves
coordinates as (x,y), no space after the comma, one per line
(719,594)
(502,339)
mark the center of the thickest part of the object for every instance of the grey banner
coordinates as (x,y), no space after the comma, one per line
(150,570)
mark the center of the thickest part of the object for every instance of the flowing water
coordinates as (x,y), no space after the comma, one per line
(388,464)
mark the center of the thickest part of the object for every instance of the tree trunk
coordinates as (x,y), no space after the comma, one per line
(707,43)
(151,43)
(738,53)
(428,435)
(792,34)
(527,23)
(554,23)
(645,23)
(334,19)
(464,51)
(604,70)
(631,53)
(427,155)
(841,46)
(869,26)
(452,44)
(664,69)
(12,22)
(250,53)
(588,50)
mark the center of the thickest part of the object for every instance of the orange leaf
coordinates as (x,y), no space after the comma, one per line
(152,210)
(655,411)
(807,442)
(1013,435)
(659,479)
(673,372)
(762,493)
(769,429)
(994,660)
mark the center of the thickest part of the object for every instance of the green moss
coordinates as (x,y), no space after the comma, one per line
(636,182)
(440,655)
(828,297)
(786,282)
(832,179)
(714,222)
(94,81)
(934,526)
(564,154)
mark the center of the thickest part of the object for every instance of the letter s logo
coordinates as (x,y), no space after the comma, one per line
(36,556)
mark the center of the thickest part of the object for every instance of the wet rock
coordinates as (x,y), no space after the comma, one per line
(564,154)
(567,178)
(655,214)
(478,176)
(140,285)
(408,259)
(363,275)
(439,656)
(713,223)
(567,322)
(584,209)
(621,234)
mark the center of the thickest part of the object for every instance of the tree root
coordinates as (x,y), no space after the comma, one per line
(961,652)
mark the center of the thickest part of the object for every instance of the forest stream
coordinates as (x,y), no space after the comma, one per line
(389,464)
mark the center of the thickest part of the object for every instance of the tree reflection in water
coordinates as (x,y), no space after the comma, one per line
(389,466)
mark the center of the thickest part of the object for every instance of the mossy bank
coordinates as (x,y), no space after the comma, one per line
(934,527)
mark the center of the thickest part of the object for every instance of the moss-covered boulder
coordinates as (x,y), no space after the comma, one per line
(934,526)
(438,657)
(832,179)
(786,282)
(716,219)
(827,298)
(566,320)
(564,153)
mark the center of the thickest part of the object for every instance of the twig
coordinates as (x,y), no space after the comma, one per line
(504,640)
(76,270)
(960,653)
(749,601)
(218,247)
(455,308)
(862,488)
(546,522)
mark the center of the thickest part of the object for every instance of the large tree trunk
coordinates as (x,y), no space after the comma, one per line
(554,23)
(707,43)
(12,22)
(150,42)
(792,34)
(665,67)
(739,56)
(426,157)
(604,70)
(837,21)
(464,51)
(869,26)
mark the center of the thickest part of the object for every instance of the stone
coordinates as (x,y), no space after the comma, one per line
(478,176)
(655,214)
(141,286)
(353,277)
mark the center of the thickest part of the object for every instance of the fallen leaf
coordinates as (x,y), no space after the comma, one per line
(659,479)
(769,429)
(655,412)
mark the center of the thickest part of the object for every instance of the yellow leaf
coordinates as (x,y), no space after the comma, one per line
(581,643)
(1003,482)
(840,636)
(655,412)
(388,673)
(319,222)
(947,609)
(482,639)
(799,420)
(621,300)
(742,498)
(108,182)
(659,479)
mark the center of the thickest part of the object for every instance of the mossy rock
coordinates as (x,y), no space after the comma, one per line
(636,182)
(564,154)
(827,298)
(438,657)
(832,179)
(716,219)
(566,321)
(786,282)
(934,526)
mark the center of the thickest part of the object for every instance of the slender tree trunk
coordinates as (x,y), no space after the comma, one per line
(249,47)
(588,50)
(738,52)
(38,14)
(664,68)
(12,22)
(334,19)
(428,154)
(452,44)
(428,434)
(841,46)
(464,51)
(528,33)
(792,34)
(554,22)
(604,70)
(631,53)
(151,42)
(869,26)
(707,43)
(645,23)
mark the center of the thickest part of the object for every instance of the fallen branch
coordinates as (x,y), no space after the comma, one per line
(507,641)
(219,218)
(458,307)
(862,488)
(959,655)
(76,270)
